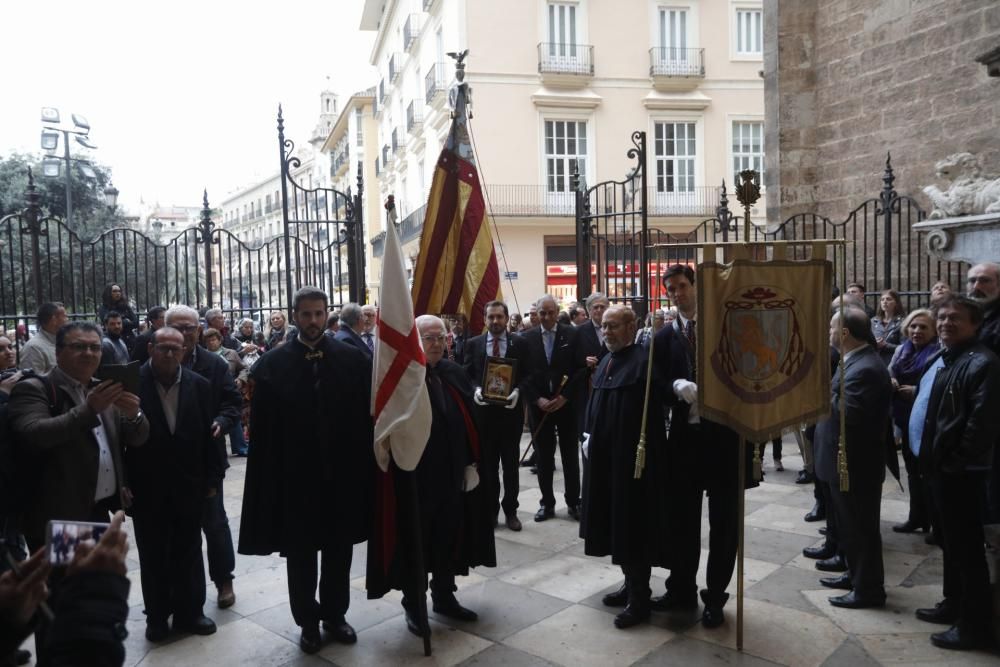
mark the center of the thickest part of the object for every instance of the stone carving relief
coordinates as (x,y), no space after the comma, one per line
(970,192)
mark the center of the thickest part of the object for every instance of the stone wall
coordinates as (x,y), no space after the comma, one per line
(847,81)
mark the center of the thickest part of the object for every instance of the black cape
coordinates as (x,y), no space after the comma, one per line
(310,472)
(624,517)
(453,444)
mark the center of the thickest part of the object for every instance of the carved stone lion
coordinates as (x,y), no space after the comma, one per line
(970,193)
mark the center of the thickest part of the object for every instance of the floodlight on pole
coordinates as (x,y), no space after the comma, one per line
(87,170)
(85,142)
(51,166)
(50,115)
(50,140)
(81,122)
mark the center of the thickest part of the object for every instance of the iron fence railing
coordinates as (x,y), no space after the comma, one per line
(435,81)
(414,116)
(565,58)
(669,61)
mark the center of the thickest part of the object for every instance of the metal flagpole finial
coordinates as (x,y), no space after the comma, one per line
(748,192)
(390,210)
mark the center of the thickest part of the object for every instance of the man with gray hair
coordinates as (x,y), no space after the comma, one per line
(984,288)
(215,319)
(352,320)
(226,406)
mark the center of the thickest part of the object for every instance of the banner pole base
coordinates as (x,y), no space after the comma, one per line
(741,452)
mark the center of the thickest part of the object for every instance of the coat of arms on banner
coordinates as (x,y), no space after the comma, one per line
(763,344)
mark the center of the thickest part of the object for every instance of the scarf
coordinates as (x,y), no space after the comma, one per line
(911,363)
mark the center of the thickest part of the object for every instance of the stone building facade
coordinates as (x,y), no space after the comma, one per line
(847,81)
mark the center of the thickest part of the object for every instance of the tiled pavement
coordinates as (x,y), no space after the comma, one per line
(541,605)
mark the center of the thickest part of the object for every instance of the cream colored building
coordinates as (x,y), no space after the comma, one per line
(561,85)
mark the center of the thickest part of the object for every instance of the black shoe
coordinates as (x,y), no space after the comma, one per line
(825,550)
(854,601)
(932,538)
(842,582)
(533,470)
(544,513)
(805,477)
(574,512)
(832,564)
(821,531)
(962,640)
(341,631)
(817,513)
(909,526)
(20,657)
(310,641)
(157,632)
(943,613)
(202,625)
(712,617)
(633,614)
(452,609)
(513,523)
(528,462)
(670,602)
(617,599)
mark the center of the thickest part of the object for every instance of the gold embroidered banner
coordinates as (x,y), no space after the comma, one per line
(763,342)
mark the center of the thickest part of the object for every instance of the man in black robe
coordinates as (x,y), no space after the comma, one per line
(623,516)
(453,510)
(309,474)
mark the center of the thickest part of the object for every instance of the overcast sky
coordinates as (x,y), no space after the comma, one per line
(180,95)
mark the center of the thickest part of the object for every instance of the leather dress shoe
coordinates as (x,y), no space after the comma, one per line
(544,513)
(712,617)
(943,612)
(817,513)
(310,641)
(670,602)
(226,597)
(617,599)
(632,615)
(932,538)
(821,530)
(842,582)
(909,526)
(202,625)
(833,564)
(962,640)
(574,512)
(533,470)
(513,523)
(157,631)
(452,609)
(825,550)
(412,625)
(854,601)
(805,477)
(341,631)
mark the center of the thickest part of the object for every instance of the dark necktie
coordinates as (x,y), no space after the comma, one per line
(693,341)
(369,342)
(496,347)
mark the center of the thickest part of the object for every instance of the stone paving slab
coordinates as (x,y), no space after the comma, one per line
(541,607)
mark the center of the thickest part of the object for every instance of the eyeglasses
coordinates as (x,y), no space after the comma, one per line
(433,339)
(186,328)
(84,347)
(163,348)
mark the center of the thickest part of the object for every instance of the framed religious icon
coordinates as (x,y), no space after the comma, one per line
(499,378)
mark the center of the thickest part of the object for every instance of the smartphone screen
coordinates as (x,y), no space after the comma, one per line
(63,538)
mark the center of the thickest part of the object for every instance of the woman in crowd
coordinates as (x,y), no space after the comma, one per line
(213,341)
(515,324)
(887,323)
(245,337)
(113,298)
(908,363)
(276,329)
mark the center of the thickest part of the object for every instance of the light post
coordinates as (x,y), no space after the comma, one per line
(51,129)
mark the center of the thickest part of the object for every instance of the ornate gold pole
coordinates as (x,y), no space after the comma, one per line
(747,192)
(640,450)
(845,481)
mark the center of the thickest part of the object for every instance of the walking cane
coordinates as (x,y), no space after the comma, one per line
(541,422)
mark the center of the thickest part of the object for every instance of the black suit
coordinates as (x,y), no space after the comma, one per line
(543,382)
(170,476)
(588,344)
(347,335)
(702,460)
(868,394)
(500,435)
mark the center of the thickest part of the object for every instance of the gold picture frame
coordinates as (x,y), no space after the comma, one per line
(499,379)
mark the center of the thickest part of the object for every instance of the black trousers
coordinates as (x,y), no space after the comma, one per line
(919,512)
(959,501)
(824,499)
(775,449)
(172,571)
(501,443)
(562,422)
(334,583)
(858,533)
(637,582)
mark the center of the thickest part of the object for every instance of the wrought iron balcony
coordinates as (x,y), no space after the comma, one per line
(395,140)
(669,61)
(537,200)
(563,58)
(411,30)
(435,82)
(378,169)
(385,155)
(381,92)
(414,116)
(701,200)
(428,4)
(395,66)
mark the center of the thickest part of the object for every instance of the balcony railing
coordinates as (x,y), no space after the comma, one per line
(434,82)
(395,140)
(381,92)
(414,116)
(668,61)
(395,66)
(562,58)
(385,155)
(411,30)
(378,169)
(536,200)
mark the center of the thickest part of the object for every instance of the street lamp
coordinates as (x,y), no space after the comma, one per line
(51,164)
(111,196)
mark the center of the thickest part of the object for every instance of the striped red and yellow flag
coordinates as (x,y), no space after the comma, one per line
(456,269)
